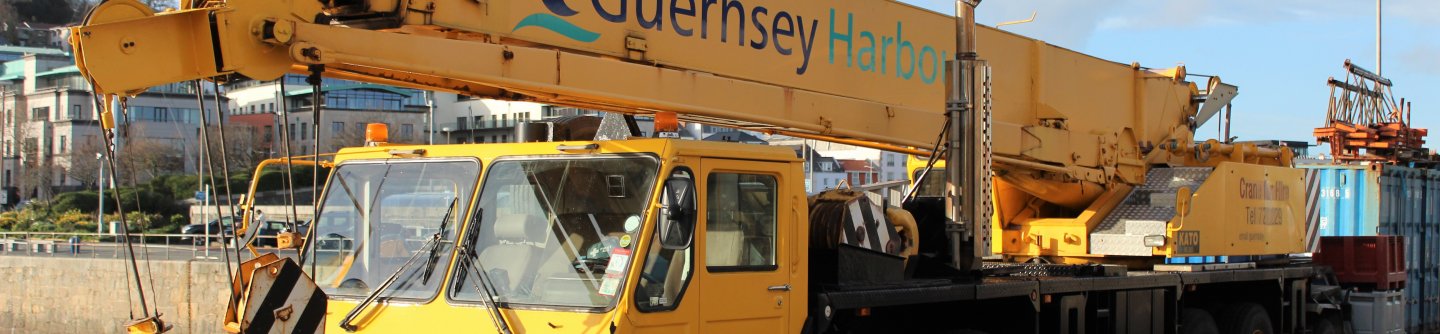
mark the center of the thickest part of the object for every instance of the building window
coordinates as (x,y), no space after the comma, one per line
(272,106)
(40,114)
(364,99)
(75,112)
(269,133)
(360,128)
(406,131)
(336,128)
(303,131)
(62,144)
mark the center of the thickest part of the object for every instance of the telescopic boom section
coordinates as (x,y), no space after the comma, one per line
(805,67)
(869,73)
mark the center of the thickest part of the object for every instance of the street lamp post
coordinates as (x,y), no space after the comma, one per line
(100,213)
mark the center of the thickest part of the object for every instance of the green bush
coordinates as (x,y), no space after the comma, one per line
(181,186)
(85,201)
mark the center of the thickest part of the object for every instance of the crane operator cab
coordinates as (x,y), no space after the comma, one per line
(561,234)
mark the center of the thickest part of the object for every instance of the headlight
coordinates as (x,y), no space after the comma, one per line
(1154,241)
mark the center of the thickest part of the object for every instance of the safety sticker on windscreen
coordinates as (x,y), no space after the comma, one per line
(619,258)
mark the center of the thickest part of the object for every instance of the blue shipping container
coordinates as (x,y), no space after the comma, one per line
(1388,200)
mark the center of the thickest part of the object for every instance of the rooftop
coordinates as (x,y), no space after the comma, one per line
(59,70)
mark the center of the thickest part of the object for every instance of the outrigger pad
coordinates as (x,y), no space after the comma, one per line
(275,296)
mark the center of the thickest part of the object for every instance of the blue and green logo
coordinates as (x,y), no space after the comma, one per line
(754,26)
(554,22)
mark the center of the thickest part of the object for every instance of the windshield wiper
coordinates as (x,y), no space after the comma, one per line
(467,250)
(434,251)
(430,248)
(345,322)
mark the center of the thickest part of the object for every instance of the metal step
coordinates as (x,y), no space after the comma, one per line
(1145,211)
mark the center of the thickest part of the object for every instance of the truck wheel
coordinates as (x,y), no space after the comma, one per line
(1197,321)
(1245,318)
(965,331)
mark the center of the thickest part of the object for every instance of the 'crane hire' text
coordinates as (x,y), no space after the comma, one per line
(1264,190)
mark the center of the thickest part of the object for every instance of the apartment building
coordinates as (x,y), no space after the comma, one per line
(51,129)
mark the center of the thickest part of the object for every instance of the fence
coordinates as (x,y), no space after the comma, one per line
(891,192)
(146,246)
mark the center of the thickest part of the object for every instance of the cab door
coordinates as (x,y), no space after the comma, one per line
(743,240)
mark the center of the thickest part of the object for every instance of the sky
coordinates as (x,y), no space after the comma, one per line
(1279,52)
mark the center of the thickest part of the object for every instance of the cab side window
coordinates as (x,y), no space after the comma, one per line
(740,222)
(666,272)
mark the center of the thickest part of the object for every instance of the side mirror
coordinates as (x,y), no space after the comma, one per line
(677,216)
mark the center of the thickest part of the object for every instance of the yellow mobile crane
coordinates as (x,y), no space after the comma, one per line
(1081,174)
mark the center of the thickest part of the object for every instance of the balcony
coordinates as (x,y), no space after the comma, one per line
(479,126)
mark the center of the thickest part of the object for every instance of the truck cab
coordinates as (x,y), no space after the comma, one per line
(564,236)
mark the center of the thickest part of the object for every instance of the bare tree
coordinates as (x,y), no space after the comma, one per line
(244,145)
(35,164)
(84,164)
(146,158)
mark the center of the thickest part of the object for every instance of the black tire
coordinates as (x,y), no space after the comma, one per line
(1245,318)
(965,331)
(1325,325)
(1197,321)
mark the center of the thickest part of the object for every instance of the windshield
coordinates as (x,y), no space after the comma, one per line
(376,215)
(556,232)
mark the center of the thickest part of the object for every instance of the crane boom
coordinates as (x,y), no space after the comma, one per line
(1065,128)
(709,66)
(856,70)
(1048,150)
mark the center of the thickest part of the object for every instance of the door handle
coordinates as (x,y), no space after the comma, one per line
(783,287)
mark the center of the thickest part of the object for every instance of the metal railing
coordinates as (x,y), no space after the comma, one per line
(102,245)
(889,192)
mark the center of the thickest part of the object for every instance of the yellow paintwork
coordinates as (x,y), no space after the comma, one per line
(440,315)
(1219,218)
(1071,133)
(1243,209)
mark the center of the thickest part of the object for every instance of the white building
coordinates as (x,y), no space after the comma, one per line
(50,123)
(823,172)
(464,119)
(347,107)
(891,164)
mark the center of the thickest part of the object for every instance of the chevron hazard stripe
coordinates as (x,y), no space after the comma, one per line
(1312,210)
(283,299)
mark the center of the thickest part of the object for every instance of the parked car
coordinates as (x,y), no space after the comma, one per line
(196,233)
(265,236)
